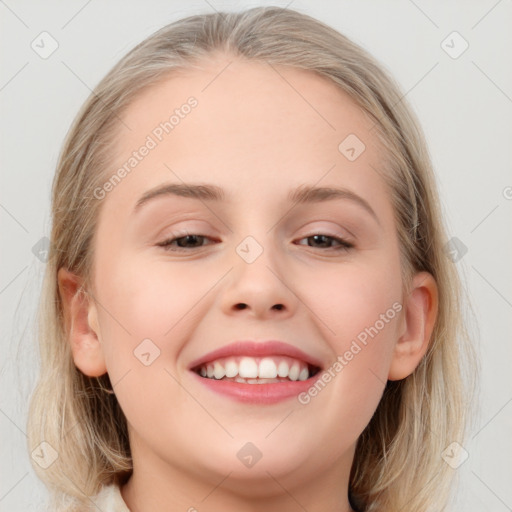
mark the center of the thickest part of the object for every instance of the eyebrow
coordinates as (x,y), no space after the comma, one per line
(308,194)
(303,194)
(204,192)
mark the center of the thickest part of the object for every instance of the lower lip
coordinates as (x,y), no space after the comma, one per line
(258,393)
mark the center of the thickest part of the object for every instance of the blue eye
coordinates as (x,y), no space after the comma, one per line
(194,241)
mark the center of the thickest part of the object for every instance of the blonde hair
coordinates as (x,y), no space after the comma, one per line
(398,462)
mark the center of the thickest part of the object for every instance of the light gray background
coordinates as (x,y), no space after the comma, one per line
(464,105)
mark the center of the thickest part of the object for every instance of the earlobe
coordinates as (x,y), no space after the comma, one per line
(420,313)
(81,325)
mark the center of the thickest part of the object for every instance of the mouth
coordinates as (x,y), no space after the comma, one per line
(257,370)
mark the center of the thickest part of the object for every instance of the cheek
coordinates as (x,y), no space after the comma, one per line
(146,309)
(150,308)
(357,307)
(360,311)
(353,298)
(152,299)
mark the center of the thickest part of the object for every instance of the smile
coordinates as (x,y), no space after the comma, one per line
(257,370)
(261,373)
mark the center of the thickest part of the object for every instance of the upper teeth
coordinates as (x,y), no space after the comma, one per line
(256,367)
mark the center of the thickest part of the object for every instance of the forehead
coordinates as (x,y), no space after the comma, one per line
(241,98)
(255,127)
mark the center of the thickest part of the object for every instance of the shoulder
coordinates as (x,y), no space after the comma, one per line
(109,499)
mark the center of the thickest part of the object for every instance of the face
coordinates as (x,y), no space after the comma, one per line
(178,275)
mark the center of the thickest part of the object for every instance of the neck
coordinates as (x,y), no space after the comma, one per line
(157,485)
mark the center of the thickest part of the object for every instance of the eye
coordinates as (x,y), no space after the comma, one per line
(185,241)
(326,241)
(180,243)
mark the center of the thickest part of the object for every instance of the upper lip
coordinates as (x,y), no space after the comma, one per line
(256,349)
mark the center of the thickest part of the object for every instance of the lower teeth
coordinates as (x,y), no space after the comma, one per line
(254,381)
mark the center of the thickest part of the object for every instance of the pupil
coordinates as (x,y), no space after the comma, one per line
(318,238)
(187,239)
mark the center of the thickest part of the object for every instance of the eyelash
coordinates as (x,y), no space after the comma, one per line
(344,246)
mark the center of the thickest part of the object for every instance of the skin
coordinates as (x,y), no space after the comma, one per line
(257,138)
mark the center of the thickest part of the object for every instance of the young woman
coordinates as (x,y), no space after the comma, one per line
(247,305)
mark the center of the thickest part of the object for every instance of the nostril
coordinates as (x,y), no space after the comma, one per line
(241,306)
(278,306)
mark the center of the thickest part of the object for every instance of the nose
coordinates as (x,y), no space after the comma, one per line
(260,290)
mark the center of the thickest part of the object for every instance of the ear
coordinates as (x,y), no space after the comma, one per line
(81,324)
(420,313)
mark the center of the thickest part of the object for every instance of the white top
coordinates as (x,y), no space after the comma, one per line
(109,499)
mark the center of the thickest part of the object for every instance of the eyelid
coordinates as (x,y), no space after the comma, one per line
(344,245)
(336,231)
(342,240)
(328,227)
(193,228)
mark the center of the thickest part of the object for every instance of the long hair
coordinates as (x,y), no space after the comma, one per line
(397,464)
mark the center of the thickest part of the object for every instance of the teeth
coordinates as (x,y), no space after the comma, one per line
(231,368)
(267,369)
(304,374)
(294,372)
(218,370)
(258,381)
(256,370)
(283,369)
(248,368)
